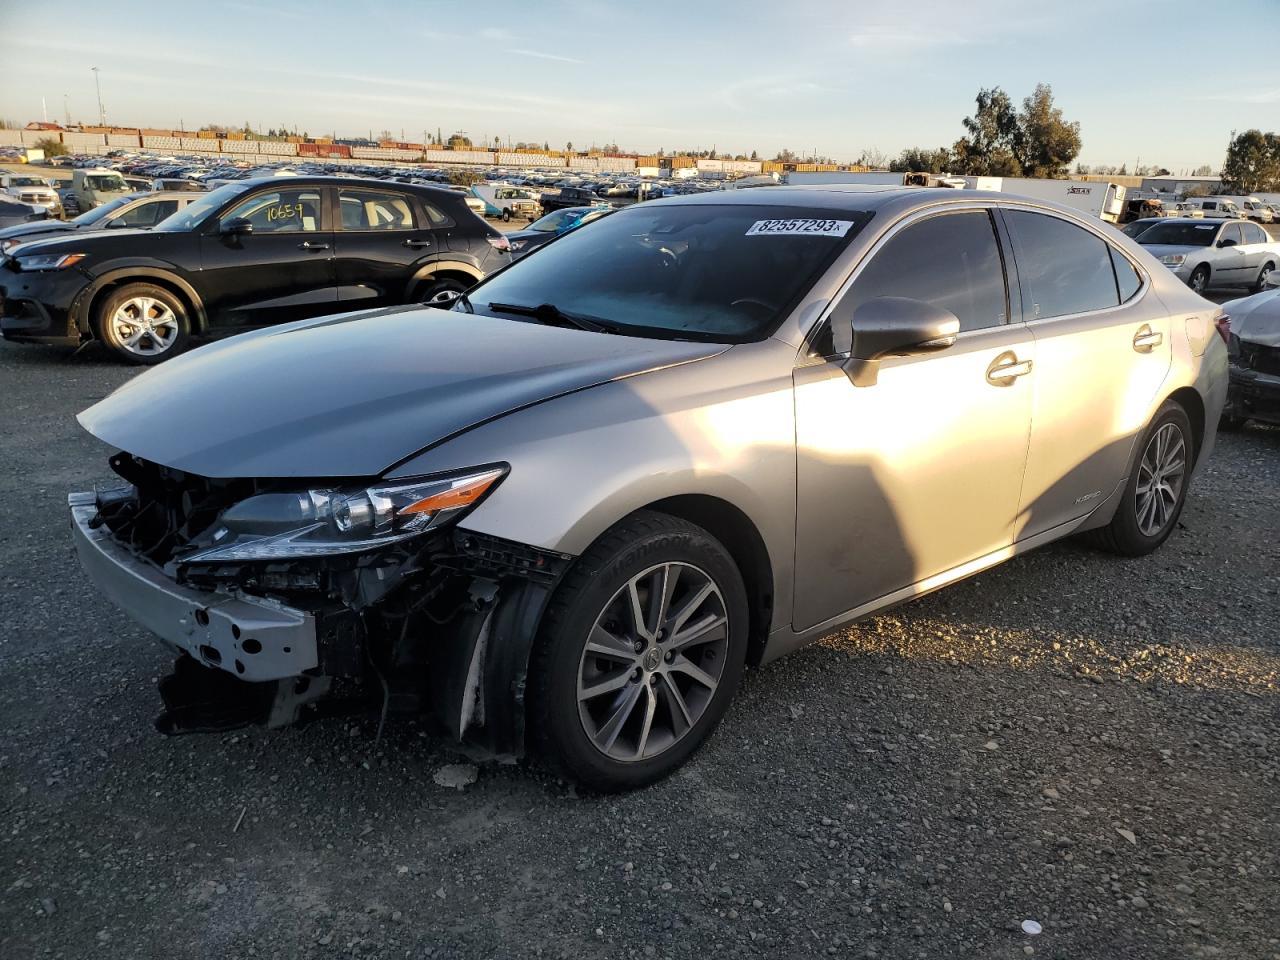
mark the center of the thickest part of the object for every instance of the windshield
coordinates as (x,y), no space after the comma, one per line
(723,273)
(27,182)
(554,221)
(1180,234)
(108,182)
(99,213)
(194,213)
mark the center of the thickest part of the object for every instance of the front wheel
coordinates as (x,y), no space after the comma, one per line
(639,654)
(1199,279)
(143,323)
(1157,487)
(506,215)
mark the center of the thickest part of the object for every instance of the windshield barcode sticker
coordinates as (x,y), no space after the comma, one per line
(806,228)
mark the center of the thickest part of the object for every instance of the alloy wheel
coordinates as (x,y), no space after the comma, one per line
(1160,478)
(653,661)
(144,326)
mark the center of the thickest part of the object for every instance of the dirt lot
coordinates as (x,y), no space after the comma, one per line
(1087,742)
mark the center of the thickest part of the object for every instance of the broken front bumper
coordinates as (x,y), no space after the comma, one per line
(249,637)
(1253,395)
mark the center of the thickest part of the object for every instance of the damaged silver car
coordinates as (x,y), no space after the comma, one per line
(562,516)
(1254,393)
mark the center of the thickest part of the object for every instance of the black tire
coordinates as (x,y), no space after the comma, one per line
(1199,279)
(442,292)
(1230,424)
(506,214)
(639,542)
(1265,272)
(172,329)
(1124,535)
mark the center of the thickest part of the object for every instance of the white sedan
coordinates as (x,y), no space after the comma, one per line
(1213,253)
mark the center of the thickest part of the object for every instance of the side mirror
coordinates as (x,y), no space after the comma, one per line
(1226,243)
(892,327)
(235,227)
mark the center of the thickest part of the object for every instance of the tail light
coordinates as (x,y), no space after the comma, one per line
(1223,325)
(500,242)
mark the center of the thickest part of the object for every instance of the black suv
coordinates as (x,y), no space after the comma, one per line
(251,253)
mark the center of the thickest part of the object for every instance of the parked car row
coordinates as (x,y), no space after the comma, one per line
(1208,253)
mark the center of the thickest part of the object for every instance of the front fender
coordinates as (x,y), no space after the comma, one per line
(721,427)
(136,268)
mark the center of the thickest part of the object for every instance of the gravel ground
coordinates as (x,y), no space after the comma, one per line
(1082,741)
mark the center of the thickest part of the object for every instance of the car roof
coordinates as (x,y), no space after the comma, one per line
(830,196)
(316,180)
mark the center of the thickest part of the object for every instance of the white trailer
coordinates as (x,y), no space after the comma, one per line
(881,178)
(1102,200)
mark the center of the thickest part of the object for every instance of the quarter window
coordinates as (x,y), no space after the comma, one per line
(1127,278)
(369,210)
(1253,233)
(951,261)
(281,211)
(1062,269)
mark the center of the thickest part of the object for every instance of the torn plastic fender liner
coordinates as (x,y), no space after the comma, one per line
(479,679)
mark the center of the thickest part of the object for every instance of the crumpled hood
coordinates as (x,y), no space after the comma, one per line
(350,396)
(1257,318)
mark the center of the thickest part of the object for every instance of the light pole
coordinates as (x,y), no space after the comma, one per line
(102,114)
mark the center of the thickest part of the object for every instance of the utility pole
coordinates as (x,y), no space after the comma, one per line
(66,110)
(44,110)
(102,114)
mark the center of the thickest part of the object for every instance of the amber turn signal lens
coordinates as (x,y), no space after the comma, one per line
(462,494)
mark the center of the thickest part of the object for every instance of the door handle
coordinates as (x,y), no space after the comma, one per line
(308,245)
(1146,339)
(1006,368)
(417,243)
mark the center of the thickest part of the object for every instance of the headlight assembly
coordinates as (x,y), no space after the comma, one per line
(49,261)
(1173,259)
(322,522)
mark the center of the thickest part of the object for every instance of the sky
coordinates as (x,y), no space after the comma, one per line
(832,77)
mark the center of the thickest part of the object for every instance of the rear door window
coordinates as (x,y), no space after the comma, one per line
(374,210)
(951,261)
(1063,269)
(1253,233)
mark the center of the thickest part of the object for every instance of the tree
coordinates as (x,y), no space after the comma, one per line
(754,155)
(1048,143)
(52,147)
(568,147)
(465,178)
(1253,162)
(992,142)
(546,145)
(873,158)
(785,156)
(1204,170)
(922,160)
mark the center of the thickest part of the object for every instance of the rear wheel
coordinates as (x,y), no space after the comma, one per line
(506,214)
(442,292)
(1266,271)
(639,654)
(1199,279)
(1157,488)
(143,323)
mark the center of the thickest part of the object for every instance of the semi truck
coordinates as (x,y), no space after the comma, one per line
(1102,200)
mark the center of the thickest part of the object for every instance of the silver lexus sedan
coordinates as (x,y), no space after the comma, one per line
(562,516)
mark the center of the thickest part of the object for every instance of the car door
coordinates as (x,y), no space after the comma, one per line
(382,238)
(1257,251)
(920,473)
(1230,264)
(281,270)
(1103,350)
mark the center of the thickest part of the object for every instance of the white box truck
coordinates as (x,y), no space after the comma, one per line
(1102,200)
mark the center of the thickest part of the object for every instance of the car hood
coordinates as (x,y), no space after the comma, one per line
(35,227)
(1257,318)
(352,395)
(1159,250)
(90,241)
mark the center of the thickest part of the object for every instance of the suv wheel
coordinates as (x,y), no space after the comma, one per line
(442,292)
(506,214)
(639,653)
(143,323)
(1157,488)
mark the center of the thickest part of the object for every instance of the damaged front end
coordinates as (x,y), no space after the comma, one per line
(288,600)
(1254,389)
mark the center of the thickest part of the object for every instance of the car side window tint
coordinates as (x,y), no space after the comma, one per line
(1231,232)
(280,211)
(1253,233)
(951,261)
(149,214)
(1127,277)
(374,210)
(1062,268)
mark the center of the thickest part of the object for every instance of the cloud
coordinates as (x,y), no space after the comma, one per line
(901,39)
(544,56)
(768,89)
